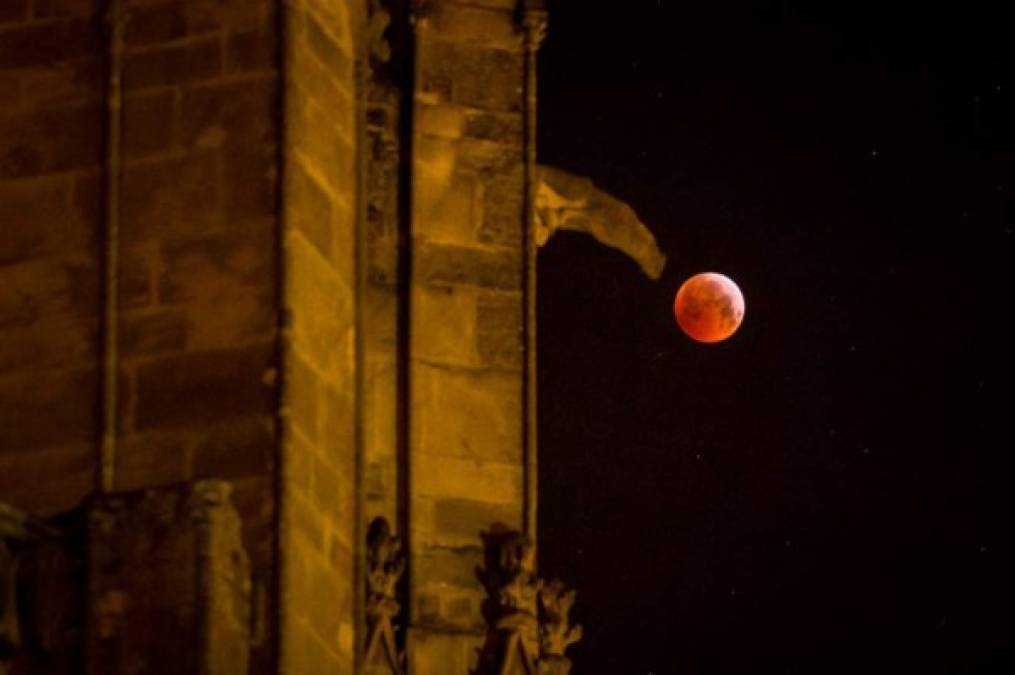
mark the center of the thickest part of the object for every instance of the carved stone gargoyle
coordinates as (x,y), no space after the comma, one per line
(385,566)
(568,202)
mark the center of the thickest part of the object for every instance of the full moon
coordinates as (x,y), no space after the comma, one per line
(709,307)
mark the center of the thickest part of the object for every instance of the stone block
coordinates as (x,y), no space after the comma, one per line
(52,342)
(146,334)
(330,50)
(335,418)
(499,326)
(149,123)
(309,208)
(235,449)
(154,23)
(204,387)
(492,126)
(252,50)
(447,264)
(239,113)
(38,219)
(40,409)
(74,82)
(320,304)
(135,287)
(472,76)
(251,182)
(503,209)
(302,392)
(177,196)
(440,476)
(173,65)
(380,319)
(444,121)
(333,498)
(436,652)
(328,150)
(152,459)
(467,413)
(459,522)
(48,141)
(46,44)
(47,480)
(444,325)
(226,285)
(303,525)
(486,27)
(43,288)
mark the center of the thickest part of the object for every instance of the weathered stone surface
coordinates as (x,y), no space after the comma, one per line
(303,388)
(328,50)
(75,82)
(476,77)
(252,50)
(439,264)
(229,113)
(481,26)
(444,320)
(437,476)
(185,606)
(152,459)
(151,23)
(467,414)
(459,522)
(40,409)
(176,196)
(499,324)
(38,219)
(173,65)
(202,387)
(47,141)
(48,480)
(44,44)
(149,123)
(153,333)
(311,208)
(235,449)
(436,652)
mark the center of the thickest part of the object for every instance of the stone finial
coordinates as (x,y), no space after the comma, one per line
(378,21)
(385,567)
(511,611)
(556,633)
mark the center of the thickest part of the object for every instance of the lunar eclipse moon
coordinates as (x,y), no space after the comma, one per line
(709,307)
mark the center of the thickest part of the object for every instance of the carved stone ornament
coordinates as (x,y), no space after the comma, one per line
(385,567)
(378,21)
(556,633)
(511,611)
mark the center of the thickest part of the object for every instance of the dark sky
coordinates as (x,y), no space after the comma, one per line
(831,490)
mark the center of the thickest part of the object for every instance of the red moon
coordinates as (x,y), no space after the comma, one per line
(709,307)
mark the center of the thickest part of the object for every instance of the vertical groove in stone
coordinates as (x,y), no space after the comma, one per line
(110,325)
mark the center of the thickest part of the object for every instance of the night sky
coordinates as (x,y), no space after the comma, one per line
(831,490)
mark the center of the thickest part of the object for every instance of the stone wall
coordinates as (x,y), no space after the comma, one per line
(51,155)
(197,308)
(466,365)
(320,532)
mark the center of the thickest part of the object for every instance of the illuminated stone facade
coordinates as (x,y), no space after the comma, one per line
(272,263)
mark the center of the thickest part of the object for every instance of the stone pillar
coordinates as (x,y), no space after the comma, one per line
(168,584)
(466,366)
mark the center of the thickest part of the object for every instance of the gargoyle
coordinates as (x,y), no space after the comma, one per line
(568,202)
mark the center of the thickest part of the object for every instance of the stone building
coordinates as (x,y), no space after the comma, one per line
(267,278)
